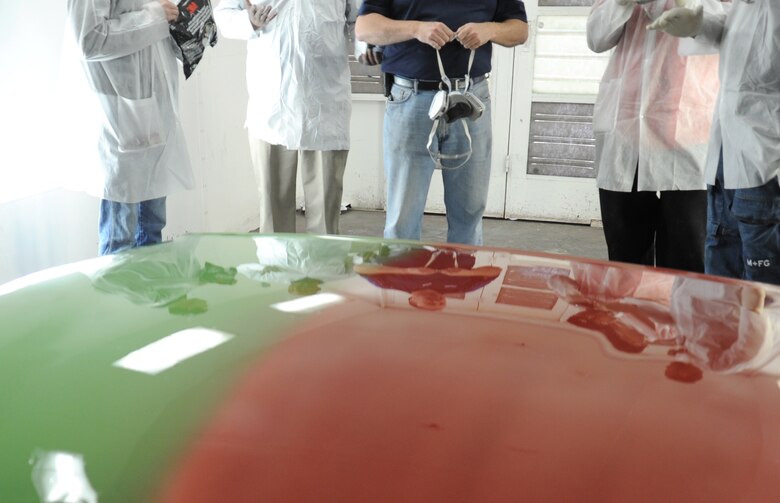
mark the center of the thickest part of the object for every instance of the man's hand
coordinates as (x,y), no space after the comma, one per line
(474,35)
(171,11)
(259,16)
(434,34)
(681,21)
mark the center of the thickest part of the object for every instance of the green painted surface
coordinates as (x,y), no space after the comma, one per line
(59,390)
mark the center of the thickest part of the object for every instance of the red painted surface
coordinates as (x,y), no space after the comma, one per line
(403,405)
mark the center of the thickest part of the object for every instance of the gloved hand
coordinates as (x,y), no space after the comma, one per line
(259,16)
(685,20)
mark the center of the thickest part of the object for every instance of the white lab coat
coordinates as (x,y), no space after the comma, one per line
(747,116)
(654,105)
(128,56)
(297,71)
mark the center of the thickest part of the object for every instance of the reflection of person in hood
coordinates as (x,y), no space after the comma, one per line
(303,263)
(716,324)
(163,276)
(429,274)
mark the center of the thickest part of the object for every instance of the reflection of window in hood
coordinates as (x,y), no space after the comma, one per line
(446,271)
(444,281)
(432,258)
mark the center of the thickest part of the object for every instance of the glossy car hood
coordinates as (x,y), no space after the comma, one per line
(302,368)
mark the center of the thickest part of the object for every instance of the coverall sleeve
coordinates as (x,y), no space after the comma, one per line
(351,15)
(351,12)
(102,38)
(708,40)
(606,23)
(233,22)
(714,23)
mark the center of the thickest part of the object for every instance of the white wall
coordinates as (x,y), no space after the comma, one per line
(54,227)
(57,226)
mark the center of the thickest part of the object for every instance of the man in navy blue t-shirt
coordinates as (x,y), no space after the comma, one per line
(427,43)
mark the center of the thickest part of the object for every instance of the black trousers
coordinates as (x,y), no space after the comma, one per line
(666,231)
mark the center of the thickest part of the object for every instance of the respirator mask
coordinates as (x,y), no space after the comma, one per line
(450,106)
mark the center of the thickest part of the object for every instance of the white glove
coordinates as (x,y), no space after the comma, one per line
(680,21)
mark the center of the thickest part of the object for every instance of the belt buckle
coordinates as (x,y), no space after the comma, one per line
(461,83)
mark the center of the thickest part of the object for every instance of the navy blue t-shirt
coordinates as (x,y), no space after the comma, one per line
(416,60)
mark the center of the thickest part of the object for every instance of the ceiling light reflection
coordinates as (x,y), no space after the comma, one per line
(308,304)
(172,350)
(85,266)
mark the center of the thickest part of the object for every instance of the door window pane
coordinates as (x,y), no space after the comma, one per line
(563,64)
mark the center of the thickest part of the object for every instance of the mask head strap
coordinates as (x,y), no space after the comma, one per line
(437,156)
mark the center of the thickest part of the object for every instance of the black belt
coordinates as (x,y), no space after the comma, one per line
(435,85)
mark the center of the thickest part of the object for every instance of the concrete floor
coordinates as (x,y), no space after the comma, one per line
(568,239)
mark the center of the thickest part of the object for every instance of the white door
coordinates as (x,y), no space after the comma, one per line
(551,146)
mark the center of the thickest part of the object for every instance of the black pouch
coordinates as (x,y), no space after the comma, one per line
(192,31)
(387,81)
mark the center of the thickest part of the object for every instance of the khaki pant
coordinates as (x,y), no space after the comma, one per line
(322,173)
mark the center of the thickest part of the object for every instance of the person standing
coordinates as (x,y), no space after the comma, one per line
(129,58)
(413,35)
(651,122)
(743,162)
(300,104)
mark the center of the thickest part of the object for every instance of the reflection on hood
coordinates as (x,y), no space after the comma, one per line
(716,324)
(162,276)
(60,477)
(289,260)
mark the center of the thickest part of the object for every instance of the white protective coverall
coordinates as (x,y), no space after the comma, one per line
(654,105)
(298,97)
(748,105)
(130,63)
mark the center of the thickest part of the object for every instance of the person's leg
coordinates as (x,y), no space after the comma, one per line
(466,187)
(629,220)
(408,166)
(275,171)
(723,247)
(151,220)
(682,228)
(116,226)
(322,173)
(757,211)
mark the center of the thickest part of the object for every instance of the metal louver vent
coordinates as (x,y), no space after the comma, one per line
(364,79)
(561,140)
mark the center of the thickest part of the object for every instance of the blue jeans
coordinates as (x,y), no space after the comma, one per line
(128,225)
(409,167)
(743,231)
